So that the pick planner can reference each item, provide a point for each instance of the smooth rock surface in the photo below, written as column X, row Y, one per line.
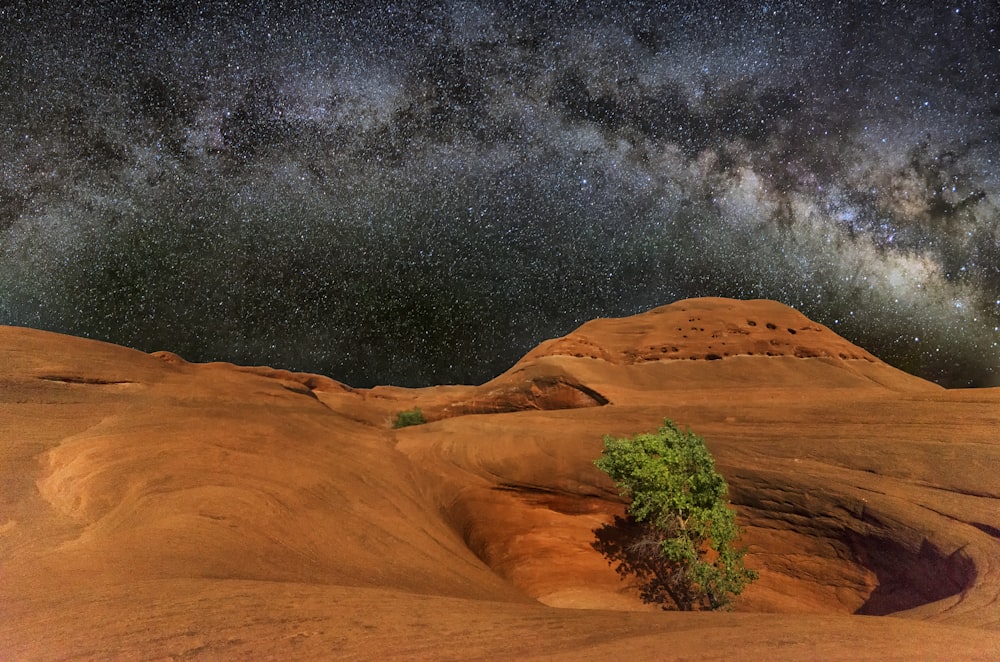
column 151, row 508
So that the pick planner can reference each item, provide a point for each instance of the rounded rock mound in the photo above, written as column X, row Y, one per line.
column 711, row 328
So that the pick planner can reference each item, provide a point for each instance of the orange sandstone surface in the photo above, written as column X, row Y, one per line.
column 152, row 508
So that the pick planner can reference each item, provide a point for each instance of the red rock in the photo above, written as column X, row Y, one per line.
column 151, row 507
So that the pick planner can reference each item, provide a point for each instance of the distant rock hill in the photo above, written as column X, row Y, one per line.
column 608, row 360
column 709, row 329
column 152, row 507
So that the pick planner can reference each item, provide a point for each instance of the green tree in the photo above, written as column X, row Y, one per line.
column 680, row 537
column 409, row 417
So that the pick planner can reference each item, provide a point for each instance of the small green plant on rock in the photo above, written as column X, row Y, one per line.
column 410, row 417
column 679, row 537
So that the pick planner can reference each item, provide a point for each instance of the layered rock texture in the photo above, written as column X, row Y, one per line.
column 152, row 508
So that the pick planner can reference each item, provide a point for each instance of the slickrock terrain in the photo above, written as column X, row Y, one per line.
column 151, row 508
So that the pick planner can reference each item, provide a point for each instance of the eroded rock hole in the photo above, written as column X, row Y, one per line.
column 883, row 568
column 909, row 578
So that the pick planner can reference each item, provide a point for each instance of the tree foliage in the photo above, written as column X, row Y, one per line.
column 409, row 417
column 680, row 536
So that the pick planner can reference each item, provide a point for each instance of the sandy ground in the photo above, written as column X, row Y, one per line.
column 154, row 509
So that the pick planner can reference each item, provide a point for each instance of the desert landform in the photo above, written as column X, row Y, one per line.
column 152, row 508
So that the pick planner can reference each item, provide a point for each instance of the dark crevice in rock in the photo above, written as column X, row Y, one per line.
column 590, row 393
column 987, row 529
column 300, row 390
column 76, row 379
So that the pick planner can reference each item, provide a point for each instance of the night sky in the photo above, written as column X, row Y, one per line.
column 418, row 193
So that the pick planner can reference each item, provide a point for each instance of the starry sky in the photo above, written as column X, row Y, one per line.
column 419, row 192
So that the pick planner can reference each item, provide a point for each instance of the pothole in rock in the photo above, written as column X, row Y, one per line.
column 909, row 578
column 820, row 541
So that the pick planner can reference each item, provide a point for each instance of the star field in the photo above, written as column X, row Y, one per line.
column 419, row 193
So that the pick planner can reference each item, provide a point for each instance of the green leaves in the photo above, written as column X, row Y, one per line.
column 680, row 500
column 409, row 417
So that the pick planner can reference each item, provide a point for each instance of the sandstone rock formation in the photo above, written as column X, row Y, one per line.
column 153, row 508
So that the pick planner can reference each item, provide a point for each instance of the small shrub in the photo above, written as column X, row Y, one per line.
column 679, row 538
column 410, row 417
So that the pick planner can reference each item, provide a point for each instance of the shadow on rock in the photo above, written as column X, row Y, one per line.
column 910, row 578
column 633, row 548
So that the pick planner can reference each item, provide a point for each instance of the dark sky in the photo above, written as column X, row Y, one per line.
column 419, row 193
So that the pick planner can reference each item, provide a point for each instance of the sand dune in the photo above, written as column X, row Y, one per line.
column 152, row 508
